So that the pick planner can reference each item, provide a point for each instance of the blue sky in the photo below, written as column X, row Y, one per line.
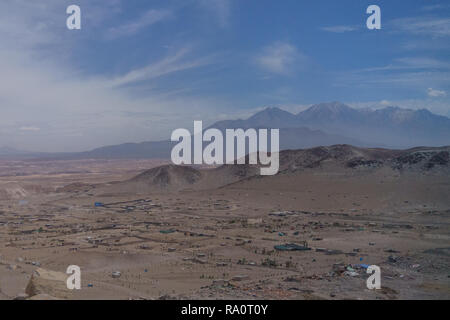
column 138, row 69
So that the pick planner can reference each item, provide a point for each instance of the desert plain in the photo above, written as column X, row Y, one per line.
column 146, row 229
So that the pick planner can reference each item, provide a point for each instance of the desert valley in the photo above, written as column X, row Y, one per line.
column 146, row 229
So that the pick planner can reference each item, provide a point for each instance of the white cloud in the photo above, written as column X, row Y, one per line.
column 436, row 93
column 281, row 58
column 339, row 29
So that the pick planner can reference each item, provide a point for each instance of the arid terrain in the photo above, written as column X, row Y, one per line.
column 145, row 229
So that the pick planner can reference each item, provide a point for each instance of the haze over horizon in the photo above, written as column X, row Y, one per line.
column 210, row 60
column 324, row 124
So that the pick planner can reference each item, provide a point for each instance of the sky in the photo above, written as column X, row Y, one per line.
column 139, row 69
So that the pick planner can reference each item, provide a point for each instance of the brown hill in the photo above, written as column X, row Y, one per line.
column 345, row 156
column 176, row 178
column 327, row 160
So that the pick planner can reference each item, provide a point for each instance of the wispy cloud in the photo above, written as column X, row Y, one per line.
column 410, row 64
column 436, row 106
column 424, row 62
column 426, row 26
column 147, row 19
column 48, row 104
column 412, row 80
column 281, row 58
column 436, row 93
column 30, row 128
column 408, row 74
column 170, row 64
column 339, row 29
column 434, row 7
column 78, row 113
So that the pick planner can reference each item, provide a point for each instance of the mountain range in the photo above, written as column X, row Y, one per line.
column 392, row 126
column 322, row 124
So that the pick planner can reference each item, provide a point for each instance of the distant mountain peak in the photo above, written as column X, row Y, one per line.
column 396, row 109
column 334, row 107
column 274, row 116
column 328, row 112
column 271, row 113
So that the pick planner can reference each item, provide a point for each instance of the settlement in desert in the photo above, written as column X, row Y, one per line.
column 147, row 229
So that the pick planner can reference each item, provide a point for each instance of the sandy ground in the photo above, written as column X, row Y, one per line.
column 219, row 243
